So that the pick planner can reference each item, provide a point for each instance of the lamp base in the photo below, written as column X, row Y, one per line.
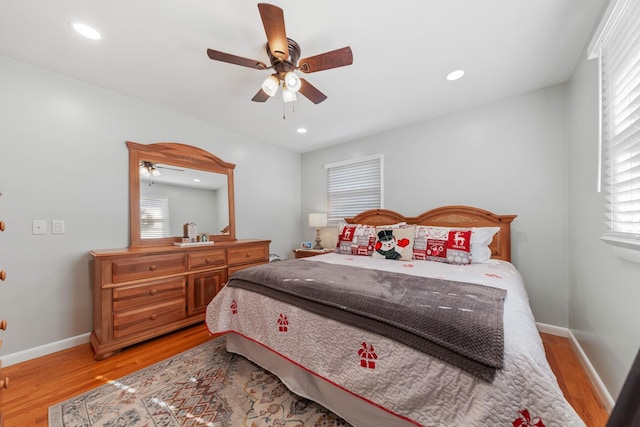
column 318, row 246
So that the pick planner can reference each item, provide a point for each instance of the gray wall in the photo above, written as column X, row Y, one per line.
column 604, row 290
column 63, row 156
column 509, row 157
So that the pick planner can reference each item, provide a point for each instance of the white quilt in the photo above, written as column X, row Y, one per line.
column 412, row 387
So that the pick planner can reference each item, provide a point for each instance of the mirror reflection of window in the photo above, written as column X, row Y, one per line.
column 154, row 218
column 196, row 196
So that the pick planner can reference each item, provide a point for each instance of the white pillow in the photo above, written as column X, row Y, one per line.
column 480, row 240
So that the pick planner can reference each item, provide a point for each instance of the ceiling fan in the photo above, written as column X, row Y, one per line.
column 284, row 55
column 148, row 169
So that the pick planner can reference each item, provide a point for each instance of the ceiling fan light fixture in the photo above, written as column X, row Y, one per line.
column 288, row 95
column 148, row 169
column 270, row 85
column 292, row 81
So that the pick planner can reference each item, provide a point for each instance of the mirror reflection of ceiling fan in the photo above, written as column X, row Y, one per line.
column 284, row 55
column 148, row 169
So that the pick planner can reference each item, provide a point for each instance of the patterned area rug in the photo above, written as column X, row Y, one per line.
column 204, row 386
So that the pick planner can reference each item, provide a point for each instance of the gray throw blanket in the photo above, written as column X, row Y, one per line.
column 458, row 323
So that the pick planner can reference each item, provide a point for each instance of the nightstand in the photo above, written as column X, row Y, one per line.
column 304, row 253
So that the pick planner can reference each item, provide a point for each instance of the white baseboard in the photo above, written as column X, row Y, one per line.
column 43, row 350
column 584, row 360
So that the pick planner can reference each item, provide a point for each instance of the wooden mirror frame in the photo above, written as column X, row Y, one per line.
column 171, row 153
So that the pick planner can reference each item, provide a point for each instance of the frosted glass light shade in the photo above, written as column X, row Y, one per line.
column 292, row 81
column 270, row 85
column 287, row 95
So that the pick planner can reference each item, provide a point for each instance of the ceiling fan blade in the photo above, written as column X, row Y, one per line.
column 325, row 61
column 310, row 91
column 261, row 96
column 237, row 60
column 273, row 22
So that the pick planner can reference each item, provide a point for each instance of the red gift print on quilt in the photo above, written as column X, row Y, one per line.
column 525, row 420
column 283, row 323
column 234, row 307
column 368, row 356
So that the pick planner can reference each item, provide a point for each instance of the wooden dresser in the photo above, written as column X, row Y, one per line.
column 140, row 293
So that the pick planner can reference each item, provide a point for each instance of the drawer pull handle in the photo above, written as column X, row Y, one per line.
column 1, row 225
column 4, row 383
column 248, row 254
column 3, row 325
column 153, row 291
column 214, row 261
column 3, row 275
column 152, row 267
column 153, row 316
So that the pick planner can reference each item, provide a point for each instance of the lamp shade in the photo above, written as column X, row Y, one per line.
column 287, row 95
column 270, row 85
column 292, row 81
column 317, row 220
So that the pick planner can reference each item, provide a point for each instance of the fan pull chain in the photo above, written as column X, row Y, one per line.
column 284, row 109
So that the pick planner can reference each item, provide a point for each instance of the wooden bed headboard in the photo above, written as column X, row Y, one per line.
column 449, row 216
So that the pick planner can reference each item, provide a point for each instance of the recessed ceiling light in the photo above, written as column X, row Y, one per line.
column 86, row 31
column 455, row 75
column 196, row 180
column 302, row 130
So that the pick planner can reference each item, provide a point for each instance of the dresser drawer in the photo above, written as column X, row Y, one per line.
column 149, row 318
column 207, row 259
column 130, row 297
column 248, row 254
column 126, row 269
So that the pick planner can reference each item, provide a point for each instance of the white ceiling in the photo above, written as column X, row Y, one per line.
column 155, row 50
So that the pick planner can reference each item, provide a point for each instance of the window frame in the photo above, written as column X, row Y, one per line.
column 624, row 240
column 334, row 217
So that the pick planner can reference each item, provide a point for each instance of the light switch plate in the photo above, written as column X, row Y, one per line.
column 57, row 226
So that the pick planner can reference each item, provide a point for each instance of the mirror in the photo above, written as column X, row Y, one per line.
column 164, row 194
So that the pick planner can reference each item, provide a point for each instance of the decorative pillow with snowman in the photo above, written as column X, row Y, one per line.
column 394, row 243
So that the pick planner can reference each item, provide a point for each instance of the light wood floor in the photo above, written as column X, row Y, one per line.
column 38, row 383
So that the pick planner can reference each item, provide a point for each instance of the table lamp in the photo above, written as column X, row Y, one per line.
column 318, row 220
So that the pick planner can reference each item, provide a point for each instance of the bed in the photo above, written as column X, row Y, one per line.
column 372, row 372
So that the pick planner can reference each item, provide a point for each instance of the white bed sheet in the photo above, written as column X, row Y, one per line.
column 318, row 358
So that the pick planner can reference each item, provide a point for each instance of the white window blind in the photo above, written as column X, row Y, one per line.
column 618, row 46
column 354, row 186
column 154, row 218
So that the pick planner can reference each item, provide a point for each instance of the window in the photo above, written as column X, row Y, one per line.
column 354, row 186
column 617, row 45
column 154, row 218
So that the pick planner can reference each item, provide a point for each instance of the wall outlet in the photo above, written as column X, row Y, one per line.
column 39, row 226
